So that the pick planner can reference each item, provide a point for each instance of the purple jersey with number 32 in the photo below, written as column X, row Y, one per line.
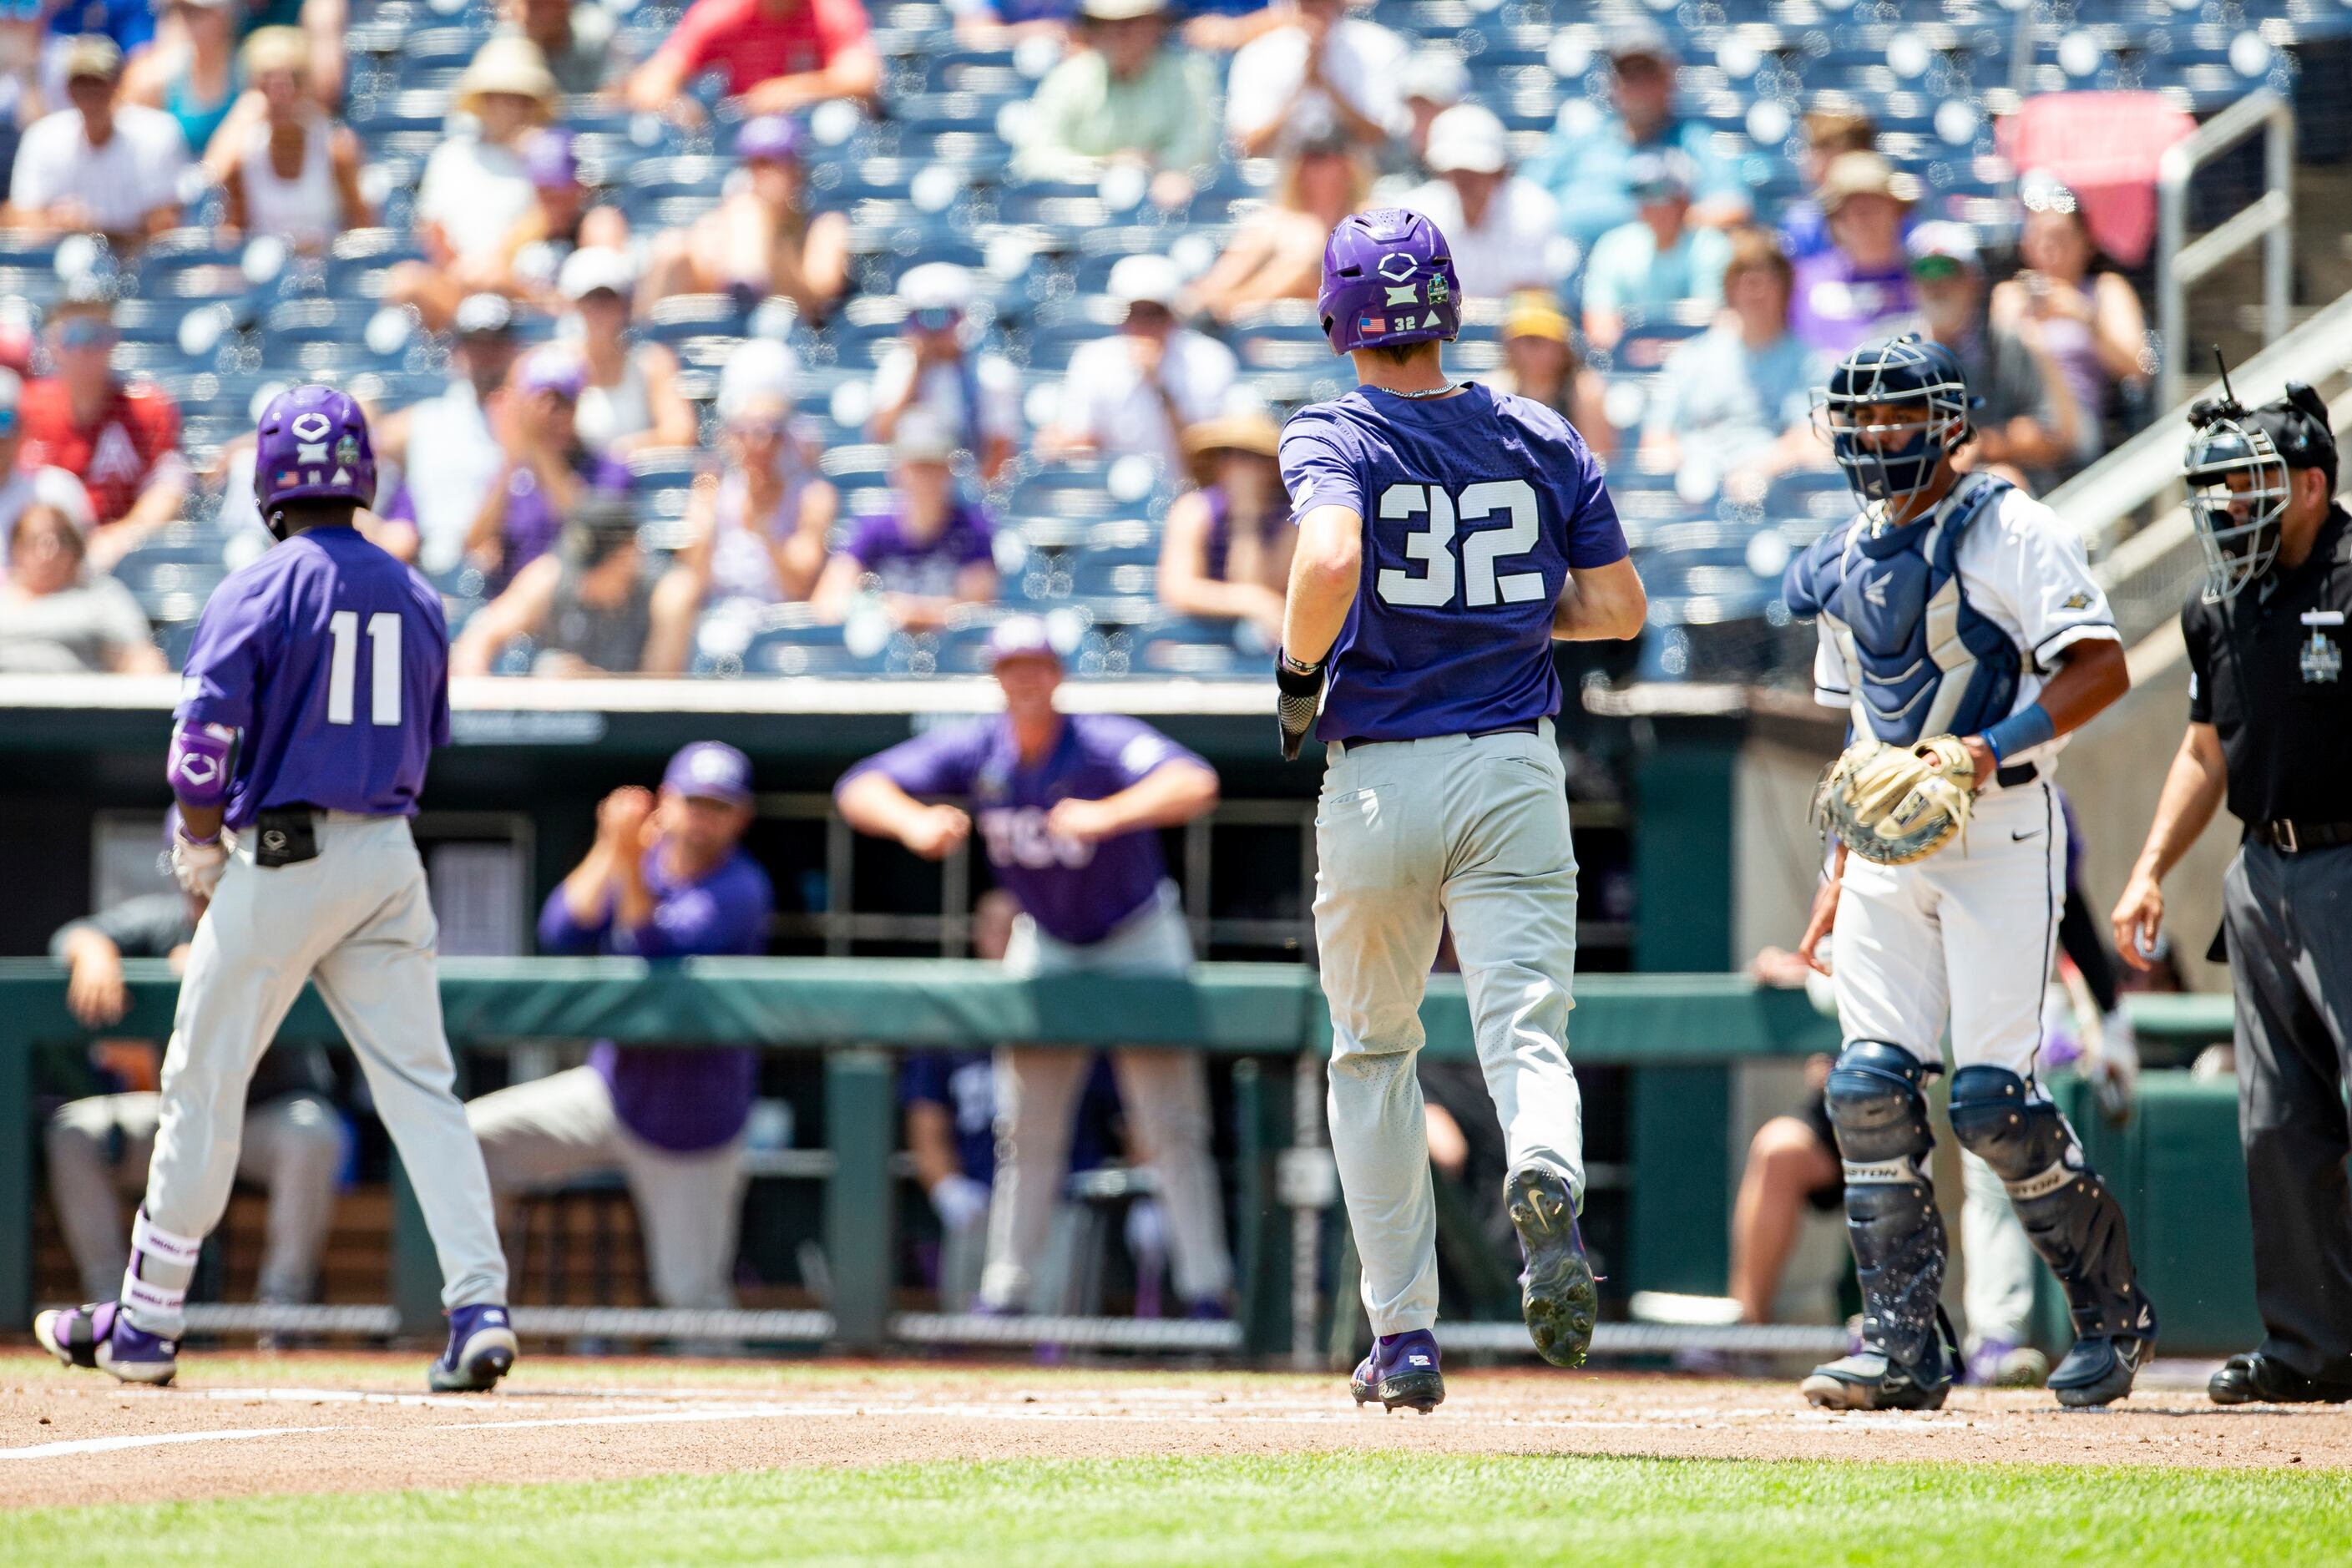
column 1474, row 507
column 333, row 659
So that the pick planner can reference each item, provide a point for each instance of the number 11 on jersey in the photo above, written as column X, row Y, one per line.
column 384, row 653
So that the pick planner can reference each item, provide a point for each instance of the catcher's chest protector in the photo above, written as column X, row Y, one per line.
column 1921, row 659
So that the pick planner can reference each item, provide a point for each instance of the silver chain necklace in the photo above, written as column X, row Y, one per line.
column 1417, row 396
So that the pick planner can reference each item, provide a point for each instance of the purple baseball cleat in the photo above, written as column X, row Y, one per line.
column 1401, row 1370
column 481, row 1351
column 100, row 1336
column 1558, row 1295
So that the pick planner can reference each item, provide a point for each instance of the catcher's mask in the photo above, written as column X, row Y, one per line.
column 1890, row 413
column 2240, row 471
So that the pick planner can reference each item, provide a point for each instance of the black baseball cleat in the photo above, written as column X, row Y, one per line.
column 1872, row 1379
column 1403, row 1370
column 1556, row 1293
column 2099, row 1370
column 2254, row 1378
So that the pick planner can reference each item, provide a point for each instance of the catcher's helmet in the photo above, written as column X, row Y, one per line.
column 1388, row 278
column 312, row 446
column 1888, row 460
column 2238, row 469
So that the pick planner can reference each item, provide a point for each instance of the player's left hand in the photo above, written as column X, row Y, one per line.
column 1082, row 821
column 1980, row 757
column 198, row 868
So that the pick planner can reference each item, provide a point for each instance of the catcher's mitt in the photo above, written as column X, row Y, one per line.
column 1895, row 805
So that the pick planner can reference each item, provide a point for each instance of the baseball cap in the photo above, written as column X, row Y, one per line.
column 1145, row 280
column 549, row 159
column 1641, row 38
column 1662, row 173
column 1255, row 432
column 1020, row 637
column 1533, row 315
column 758, row 368
column 1954, row 245
column 553, row 367
column 593, row 267
column 1859, row 174
column 484, row 315
column 1433, row 75
column 710, row 770
column 923, row 438
column 935, row 294
column 1119, row 10
column 1469, row 139
column 93, row 55
column 772, row 137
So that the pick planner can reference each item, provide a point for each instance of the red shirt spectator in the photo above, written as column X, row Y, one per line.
column 796, row 50
column 116, row 455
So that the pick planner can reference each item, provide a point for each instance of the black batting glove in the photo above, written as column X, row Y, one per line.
column 1302, row 695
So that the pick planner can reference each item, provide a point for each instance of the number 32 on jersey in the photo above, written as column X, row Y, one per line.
column 1479, row 579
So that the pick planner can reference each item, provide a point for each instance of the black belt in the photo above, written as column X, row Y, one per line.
column 2290, row 837
column 1524, row 727
column 2016, row 773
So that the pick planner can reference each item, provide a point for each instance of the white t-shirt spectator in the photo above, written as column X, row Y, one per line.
column 136, row 172
column 477, row 192
column 1105, row 399
column 85, row 627
column 1514, row 248
column 995, row 380
column 1361, row 61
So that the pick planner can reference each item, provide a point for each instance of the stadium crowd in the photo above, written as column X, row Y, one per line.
column 692, row 403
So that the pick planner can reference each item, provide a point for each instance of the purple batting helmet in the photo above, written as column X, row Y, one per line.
column 313, row 445
column 1388, row 278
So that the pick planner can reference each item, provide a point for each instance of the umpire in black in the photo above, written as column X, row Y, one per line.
column 2270, row 729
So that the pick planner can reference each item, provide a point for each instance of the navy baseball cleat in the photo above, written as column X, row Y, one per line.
column 100, row 1336
column 1401, row 1370
column 1872, row 1380
column 1556, row 1293
column 2099, row 1369
column 481, row 1351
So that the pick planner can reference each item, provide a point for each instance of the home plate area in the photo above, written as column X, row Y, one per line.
column 340, row 1423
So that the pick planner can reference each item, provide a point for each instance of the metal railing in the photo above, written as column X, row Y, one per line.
column 2181, row 262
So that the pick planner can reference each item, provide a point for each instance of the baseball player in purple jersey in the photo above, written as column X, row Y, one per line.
column 311, row 702
column 1447, row 534
column 1070, row 807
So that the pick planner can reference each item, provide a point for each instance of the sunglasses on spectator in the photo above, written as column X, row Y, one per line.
column 84, row 333
column 1936, row 268
column 935, row 318
column 756, row 429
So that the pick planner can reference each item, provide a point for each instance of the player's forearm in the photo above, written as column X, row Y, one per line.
column 2193, row 790
column 1325, row 576
column 1168, row 796
column 930, row 1144
column 632, row 901
column 1603, row 603
column 2094, row 674
column 586, row 893
column 873, row 803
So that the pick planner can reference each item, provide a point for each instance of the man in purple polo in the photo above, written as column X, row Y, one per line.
column 311, row 702
column 665, row 878
column 1070, row 807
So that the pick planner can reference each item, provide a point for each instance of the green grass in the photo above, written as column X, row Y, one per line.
column 1334, row 1509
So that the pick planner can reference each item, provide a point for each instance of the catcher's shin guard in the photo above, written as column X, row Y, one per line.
column 1884, row 1140
column 2068, row 1213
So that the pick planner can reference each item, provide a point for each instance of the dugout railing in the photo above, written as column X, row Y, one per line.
column 1269, row 1020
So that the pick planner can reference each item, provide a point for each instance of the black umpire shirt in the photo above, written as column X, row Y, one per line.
column 2267, row 672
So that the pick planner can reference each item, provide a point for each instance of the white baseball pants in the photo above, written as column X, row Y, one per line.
column 1412, row 836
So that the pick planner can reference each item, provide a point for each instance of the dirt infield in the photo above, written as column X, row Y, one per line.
column 342, row 1423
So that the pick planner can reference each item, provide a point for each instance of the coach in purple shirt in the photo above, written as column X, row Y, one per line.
column 1069, row 808
column 666, row 877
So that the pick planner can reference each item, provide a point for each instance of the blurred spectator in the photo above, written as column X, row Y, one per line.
column 1001, row 24
column 1220, row 26
column 322, row 23
column 629, row 397
column 757, row 530
column 1432, row 81
column 976, row 396
column 1225, row 552
column 575, row 39
column 1069, row 808
column 2027, row 423
column 449, row 455
column 1322, row 71
column 547, row 471
column 1647, row 268
column 98, row 165
column 21, row 487
column 778, row 56
column 930, row 551
column 1124, row 95
column 2089, row 318
column 1738, row 399
column 293, row 1144
column 1277, row 252
column 1828, row 134
column 1584, row 167
column 57, row 616
column 564, row 216
column 584, row 603
column 1859, row 287
column 297, row 173
column 762, row 240
column 1792, row 1166
column 1136, row 389
column 122, row 442
column 476, row 191
column 1540, row 362
column 666, row 877
column 191, row 73
column 1502, row 226
column 21, row 98
column 129, row 24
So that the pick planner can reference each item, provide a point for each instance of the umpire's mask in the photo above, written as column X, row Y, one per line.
column 2237, row 493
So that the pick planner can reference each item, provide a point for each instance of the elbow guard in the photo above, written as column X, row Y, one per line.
column 202, row 757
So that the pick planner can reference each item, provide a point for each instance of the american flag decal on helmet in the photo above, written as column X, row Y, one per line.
column 1371, row 324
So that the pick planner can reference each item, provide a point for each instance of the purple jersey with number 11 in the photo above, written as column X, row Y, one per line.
column 1475, row 506
column 333, row 659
